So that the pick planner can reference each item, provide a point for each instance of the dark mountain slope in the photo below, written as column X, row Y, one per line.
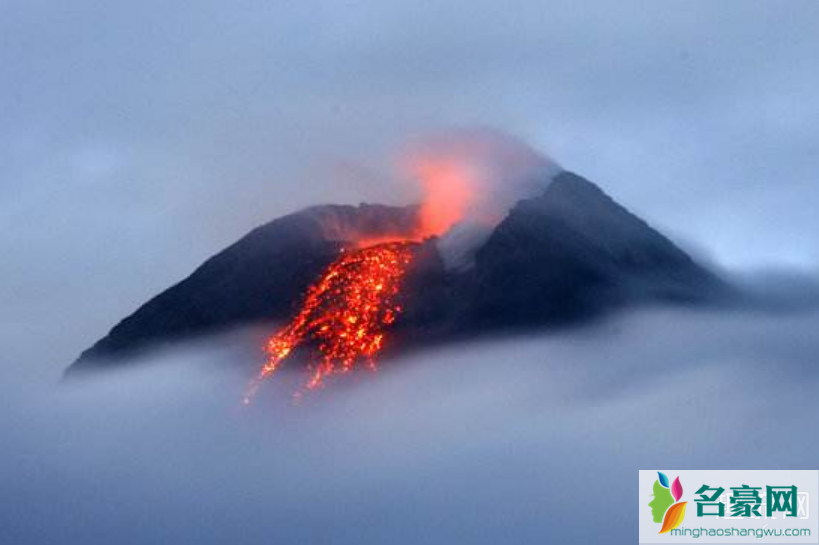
column 564, row 255
column 260, row 277
column 573, row 251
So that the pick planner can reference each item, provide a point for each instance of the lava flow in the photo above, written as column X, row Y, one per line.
column 344, row 315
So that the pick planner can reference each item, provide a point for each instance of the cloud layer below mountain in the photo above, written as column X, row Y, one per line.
column 513, row 440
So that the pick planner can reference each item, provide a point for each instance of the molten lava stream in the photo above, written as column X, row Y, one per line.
column 345, row 314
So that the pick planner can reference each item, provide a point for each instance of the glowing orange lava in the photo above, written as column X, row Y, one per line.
column 344, row 315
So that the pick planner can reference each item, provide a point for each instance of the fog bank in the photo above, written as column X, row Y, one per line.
column 505, row 441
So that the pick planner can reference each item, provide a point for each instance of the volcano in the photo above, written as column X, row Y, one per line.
column 561, row 257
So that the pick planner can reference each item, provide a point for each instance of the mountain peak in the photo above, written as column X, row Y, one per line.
column 569, row 252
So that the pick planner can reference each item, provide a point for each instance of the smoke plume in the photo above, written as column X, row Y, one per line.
column 470, row 179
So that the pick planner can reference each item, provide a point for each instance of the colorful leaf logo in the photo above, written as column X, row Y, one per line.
column 663, row 479
column 676, row 489
column 673, row 517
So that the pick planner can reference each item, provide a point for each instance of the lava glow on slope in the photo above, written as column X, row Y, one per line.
column 344, row 316
column 472, row 177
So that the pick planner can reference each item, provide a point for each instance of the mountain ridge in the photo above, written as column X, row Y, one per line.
column 568, row 253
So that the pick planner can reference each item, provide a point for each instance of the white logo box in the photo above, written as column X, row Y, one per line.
column 695, row 529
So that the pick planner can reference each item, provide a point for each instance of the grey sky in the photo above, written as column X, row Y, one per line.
column 139, row 138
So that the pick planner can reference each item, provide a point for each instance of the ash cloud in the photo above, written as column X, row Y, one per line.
column 481, row 443
column 470, row 180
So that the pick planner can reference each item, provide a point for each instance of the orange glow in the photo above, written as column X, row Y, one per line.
column 472, row 177
column 448, row 193
column 344, row 315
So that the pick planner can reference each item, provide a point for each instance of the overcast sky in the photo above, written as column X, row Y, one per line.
column 139, row 138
